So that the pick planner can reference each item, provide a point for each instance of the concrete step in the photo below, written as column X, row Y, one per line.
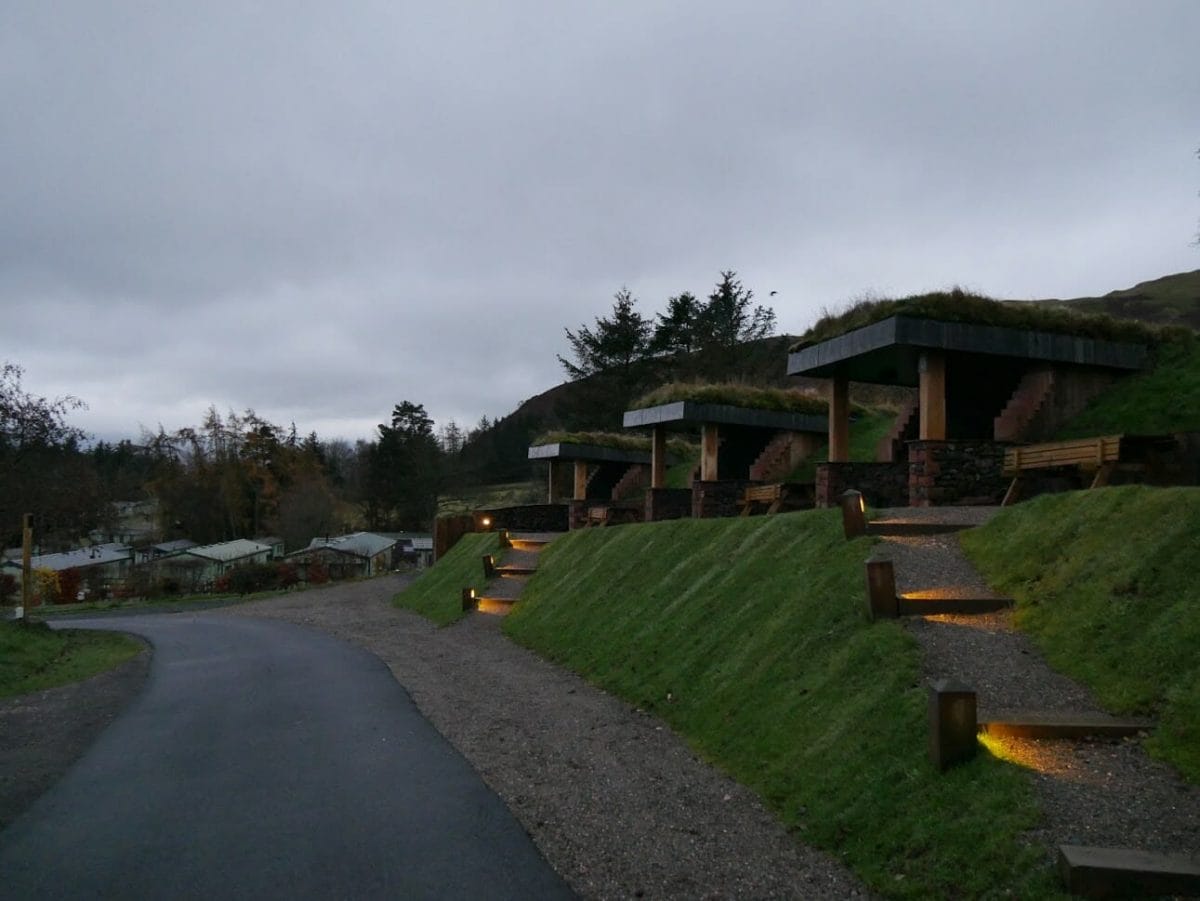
column 1028, row 724
column 909, row 606
column 1091, row 872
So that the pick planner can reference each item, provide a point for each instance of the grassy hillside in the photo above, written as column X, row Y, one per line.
column 437, row 592
column 1170, row 300
column 1106, row 582
column 747, row 636
column 1165, row 399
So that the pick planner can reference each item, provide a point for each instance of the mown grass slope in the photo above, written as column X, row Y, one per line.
column 1162, row 400
column 1108, row 584
column 747, row 636
column 33, row 656
column 437, row 592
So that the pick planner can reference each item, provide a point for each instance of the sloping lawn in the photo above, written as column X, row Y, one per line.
column 33, row 656
column 748, row 637
column 1108, row 584
column 437, row 592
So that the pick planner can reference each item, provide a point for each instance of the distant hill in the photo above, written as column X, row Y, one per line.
column 596, row 403
column 1170, row 300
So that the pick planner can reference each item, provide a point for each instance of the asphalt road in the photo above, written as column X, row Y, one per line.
column 264, row 760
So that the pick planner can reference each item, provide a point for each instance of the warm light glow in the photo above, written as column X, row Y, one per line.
column 862, row 504
column 941, row 593
column 486, row 522
column 494, row 606
column 1050, row 757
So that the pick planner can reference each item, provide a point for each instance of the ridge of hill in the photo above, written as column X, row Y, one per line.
column 597, row 402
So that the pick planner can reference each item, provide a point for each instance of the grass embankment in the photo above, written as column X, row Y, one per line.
column 1162, row 400
column 437, row 592
column 747, row 636
column 736, row 394
column 1106, row 583
column 33, row 656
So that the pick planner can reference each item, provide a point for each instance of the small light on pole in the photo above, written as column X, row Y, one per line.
column 468, row 599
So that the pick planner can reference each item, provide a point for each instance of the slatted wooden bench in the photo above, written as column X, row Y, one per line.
column 597, row 516
column 776, row 497
column 1091, row 455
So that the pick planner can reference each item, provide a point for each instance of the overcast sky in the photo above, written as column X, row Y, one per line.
column 318, row 210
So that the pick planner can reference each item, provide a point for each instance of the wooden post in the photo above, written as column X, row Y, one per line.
column 932, row 367
column 952, row 723
column 27, row 562
column 839, row 420
column 709, row 444
column 552, row 491
column 581, row 480
column 658, row 458
column 881, row 590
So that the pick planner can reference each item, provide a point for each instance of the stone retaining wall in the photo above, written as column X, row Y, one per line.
column 528, row 518
column 965, row 471
column 882, row 484
column 721, row 498
column 668, row 503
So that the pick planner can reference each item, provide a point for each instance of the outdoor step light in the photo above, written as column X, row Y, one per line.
column 489, row 566
column 468, row 599
column 882, row 602
column 504, row 537
column 854, row 514
column 953, row 724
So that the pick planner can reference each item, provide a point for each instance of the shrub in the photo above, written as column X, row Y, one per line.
column 286, row 574
column 317, row 573
column 8, row 588
column 253, row 577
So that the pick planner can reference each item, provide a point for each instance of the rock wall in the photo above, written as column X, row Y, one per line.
column 711, row 499
column 668, row 503
column 882, row 484
column 965, row 471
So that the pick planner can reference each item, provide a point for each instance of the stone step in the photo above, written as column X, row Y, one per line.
column 909, row 606
column 1027, row 724
column 1091, row 872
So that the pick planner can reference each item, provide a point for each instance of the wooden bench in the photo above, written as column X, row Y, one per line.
column 1091, row 455
column 776, row 497
column 597, row 516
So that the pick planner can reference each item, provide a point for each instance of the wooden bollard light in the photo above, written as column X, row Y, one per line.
column 854, row 514
column 881, row 590
column 953, row 724
column 504, row 538
column 489, row 566
column 468, row 599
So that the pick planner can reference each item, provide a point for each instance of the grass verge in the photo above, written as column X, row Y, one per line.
column 1105, row 582
column 33, row 656
column 747, row 637
column 437, row 592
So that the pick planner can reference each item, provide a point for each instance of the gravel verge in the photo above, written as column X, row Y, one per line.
column 616, row 802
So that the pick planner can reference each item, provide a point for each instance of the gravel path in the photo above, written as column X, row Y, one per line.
column 617, row 802
column 1091, row 792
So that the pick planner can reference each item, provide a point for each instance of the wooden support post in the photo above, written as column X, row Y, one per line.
column 932, row 369
column 658, row 458
column 581, row 480
column 552, row 489
column 953, row 724
column 839, row 420
column 709, row 445
column 27, row 562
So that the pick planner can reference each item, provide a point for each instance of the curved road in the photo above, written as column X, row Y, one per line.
column 266, row 760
